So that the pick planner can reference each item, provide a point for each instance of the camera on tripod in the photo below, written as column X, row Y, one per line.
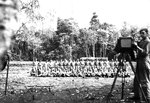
column 126, row 49
column 124, row 46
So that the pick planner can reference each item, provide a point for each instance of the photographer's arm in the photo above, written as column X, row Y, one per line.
column 146, row 51
column 140, row 49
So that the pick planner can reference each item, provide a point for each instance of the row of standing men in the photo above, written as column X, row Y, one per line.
column 78, row 69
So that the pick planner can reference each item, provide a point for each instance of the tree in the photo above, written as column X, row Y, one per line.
column 30, row 9
column 67, row 30
column 128, row 30
column 51, row 47
column 84, row 41
column 23, row 35
column 101, row 35
column 124, row 31
column 28, row 33
column 95, row 24
column 133, row 31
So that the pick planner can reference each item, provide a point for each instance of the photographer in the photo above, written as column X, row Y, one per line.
column 143, row 65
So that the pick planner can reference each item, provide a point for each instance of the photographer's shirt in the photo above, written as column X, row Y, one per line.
column 145, row 53
column 143, row 64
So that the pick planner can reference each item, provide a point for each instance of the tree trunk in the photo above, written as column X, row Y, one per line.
column 101, row 50
column 70, row 52
column 86, row 51
column 104, row 50
column 33, row 56
column 94, row 50
column 20, row 54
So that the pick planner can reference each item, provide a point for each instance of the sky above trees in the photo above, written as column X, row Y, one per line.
column 134, row 12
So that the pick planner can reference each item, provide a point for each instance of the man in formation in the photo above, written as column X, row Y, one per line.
column 78, row 68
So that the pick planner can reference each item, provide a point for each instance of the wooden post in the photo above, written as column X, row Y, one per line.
column 8, row 60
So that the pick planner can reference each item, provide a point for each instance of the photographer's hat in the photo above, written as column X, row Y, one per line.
column 143, row 30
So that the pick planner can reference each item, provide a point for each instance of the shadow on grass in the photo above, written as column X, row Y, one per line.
column 73, row 95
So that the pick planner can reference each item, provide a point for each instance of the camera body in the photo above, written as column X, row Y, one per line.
column 124, row 46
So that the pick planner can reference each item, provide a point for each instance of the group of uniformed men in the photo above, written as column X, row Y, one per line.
column 78, row 69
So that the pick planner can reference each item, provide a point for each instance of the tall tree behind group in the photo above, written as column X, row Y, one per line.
column 68, row 31
column 101, row 34
column 28, row 38
column 95, row 25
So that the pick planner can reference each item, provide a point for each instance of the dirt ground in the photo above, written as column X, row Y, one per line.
column 22, row 88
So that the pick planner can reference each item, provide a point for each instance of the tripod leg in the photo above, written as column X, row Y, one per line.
column 113, row 85
column 137, row 79
column 123, row 84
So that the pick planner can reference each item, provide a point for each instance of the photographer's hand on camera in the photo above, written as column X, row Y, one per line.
column 135, row 46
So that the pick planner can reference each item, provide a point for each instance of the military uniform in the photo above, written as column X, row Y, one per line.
column 44, row 72
column 143, row 68
column 39, row 69
column 33, row 70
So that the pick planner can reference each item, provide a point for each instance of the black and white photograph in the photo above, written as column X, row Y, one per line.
column 74, row 51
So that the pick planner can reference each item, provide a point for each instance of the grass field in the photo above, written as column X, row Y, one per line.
column 22, row 88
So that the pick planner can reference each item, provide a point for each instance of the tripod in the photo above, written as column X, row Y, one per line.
column 121, row 67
